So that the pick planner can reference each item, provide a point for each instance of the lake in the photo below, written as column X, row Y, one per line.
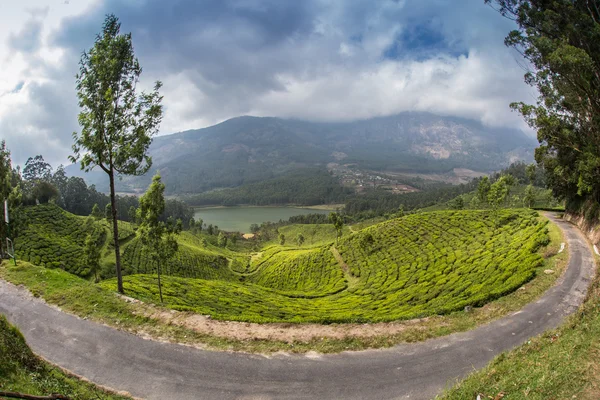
column 240, row 218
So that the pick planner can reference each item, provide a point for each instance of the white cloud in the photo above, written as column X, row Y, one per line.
column 328, row 65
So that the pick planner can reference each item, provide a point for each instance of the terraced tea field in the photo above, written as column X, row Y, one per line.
column 422, row 264
column 54, row 238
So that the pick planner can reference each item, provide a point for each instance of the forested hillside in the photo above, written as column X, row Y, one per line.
column 247, row 150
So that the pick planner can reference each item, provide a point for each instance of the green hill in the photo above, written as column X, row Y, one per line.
column 55, row 238
column 422, row 264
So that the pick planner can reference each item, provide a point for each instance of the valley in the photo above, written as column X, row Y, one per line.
column 300, row 200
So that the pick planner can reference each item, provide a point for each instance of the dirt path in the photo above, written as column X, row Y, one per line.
column 155, row 370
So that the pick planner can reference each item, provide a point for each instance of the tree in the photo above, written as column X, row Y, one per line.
column 483, row 188
column 44, row 191
column 281, row 239
column 5, row 190
column 76, row 196
column 531, row 172
column 457, row 203
column 401, row 211
column 131, row 214
column 156, row 236
column 529, row 198
column 117, row 124
column 338, row 223
column 199, row 224
column 496, row 196
column 254, row 228
column 222, row 240
column 96, row 213
column 59, row 180
column 36, row 169
column 561, row 41
column 210, row 230
column 92, row 256
column 108, row 213
column 300, row 239
column 366, row 241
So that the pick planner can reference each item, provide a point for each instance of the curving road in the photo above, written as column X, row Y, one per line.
column 155, row 370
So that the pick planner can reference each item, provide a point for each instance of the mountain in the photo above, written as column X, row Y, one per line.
column 251, row 149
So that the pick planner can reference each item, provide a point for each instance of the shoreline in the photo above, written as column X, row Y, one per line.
column 322, row 207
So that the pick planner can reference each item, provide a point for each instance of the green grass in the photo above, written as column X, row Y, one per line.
column 558, row 364
column 21, row 371
column 419, row 265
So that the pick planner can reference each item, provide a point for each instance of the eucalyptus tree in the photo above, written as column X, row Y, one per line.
column 560, row 40
column 117, row 123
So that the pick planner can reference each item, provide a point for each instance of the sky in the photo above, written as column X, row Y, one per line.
column 319, row 60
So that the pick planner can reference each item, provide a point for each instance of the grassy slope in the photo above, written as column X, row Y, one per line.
column 21, row 371
column 558, row 364
column 399, row 277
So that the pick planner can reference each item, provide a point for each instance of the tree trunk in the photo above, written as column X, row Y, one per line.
column 159, row 285
column 113, row 205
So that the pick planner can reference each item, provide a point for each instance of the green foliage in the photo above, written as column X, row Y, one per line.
column 44, row 192
column 457, row 204
column 529, row 198
column 56, row 239
column 301, row 273
column 307, row 186
column 222, row 240
column 96, row 213
column 92, row 256
column 483, row 189
column 338, row 223
column 300, row 239
column 418, row 265
column 156, row 236
column 191, row 260
column 117, row 123
column 561, row 41
column 281, row 239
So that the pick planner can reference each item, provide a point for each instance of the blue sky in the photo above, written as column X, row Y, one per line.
column 314, row 59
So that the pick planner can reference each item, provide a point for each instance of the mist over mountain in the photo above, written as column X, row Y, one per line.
column 247, row 149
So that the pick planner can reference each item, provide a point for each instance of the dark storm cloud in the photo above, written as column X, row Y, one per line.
column 225, row 40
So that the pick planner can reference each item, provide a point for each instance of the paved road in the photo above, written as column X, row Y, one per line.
column 155, row 370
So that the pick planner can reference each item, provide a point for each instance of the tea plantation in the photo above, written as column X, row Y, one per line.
column 54, row 238
column 418, row 265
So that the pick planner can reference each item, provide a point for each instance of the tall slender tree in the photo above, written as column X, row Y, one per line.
column 117, row 124
column 156, row 236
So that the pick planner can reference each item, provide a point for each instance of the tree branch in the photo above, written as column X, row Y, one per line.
column 15, row 395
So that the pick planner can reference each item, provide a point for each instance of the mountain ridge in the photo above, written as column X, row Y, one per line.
column 249, row 149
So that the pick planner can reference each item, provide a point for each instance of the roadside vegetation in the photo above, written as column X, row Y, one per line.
column 23, row 372
column 559, row 364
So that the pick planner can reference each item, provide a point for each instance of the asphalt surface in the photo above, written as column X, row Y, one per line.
column 154, row 370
